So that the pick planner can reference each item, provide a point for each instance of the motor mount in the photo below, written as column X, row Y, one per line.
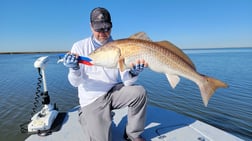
column 43, row 120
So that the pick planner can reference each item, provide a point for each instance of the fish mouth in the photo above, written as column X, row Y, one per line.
column 92, row 62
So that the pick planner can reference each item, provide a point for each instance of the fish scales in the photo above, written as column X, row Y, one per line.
column 163, row 57
column 151, row 52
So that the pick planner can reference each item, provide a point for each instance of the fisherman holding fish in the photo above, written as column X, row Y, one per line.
column 101, row 89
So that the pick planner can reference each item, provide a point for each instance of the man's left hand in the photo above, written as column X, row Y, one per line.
column 137, row 67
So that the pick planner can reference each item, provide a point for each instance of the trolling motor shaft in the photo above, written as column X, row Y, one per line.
column 43, row 120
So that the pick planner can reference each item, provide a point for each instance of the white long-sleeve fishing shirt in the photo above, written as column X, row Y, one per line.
column 94, row 81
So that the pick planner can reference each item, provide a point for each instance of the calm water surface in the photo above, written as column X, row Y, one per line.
column 229, row 109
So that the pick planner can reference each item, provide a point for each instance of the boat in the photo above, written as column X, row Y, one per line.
column 161, row 124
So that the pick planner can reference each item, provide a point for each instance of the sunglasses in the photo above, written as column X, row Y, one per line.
column 102, row 29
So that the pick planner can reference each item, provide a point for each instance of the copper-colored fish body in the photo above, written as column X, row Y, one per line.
column 162, row 57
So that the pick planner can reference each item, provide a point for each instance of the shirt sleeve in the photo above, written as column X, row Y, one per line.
column 75, row 76
column 127, row 79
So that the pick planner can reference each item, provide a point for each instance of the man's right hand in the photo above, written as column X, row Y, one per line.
column 71, row 61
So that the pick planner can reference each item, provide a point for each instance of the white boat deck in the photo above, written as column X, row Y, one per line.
column 161, row 125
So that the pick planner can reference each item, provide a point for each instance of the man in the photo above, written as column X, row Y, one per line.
column 100, row 90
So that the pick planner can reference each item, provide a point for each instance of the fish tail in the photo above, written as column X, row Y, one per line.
column 208, row 87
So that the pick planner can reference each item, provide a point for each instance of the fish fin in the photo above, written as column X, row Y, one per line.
column 121, row 65
column 177, row 51
column 140, row 35
column 173, row 80
column 208, row 87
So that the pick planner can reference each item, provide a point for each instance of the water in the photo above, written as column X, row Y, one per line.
column 229, row 109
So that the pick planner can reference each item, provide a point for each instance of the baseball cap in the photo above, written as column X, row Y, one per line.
column 100, row 19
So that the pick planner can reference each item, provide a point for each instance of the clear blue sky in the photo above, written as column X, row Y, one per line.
column 54, row 25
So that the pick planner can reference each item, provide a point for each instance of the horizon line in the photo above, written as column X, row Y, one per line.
column 38, row 52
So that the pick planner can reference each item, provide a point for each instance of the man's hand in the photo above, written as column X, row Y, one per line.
column 71, row 61
column 137, row 68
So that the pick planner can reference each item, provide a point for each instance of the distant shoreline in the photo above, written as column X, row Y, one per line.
column 33, row 52
column 186, row 49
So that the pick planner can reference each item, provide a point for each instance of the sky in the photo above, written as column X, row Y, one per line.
column 54, row 25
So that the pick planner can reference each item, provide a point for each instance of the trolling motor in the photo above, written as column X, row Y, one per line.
column 43, row 120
